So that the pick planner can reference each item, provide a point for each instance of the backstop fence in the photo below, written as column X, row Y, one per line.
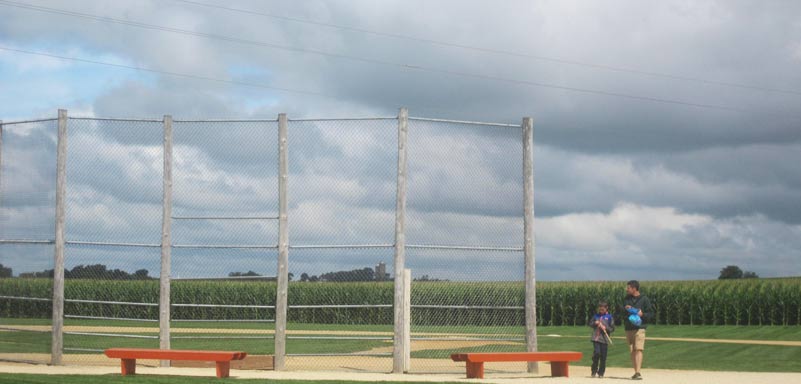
column 379, row 244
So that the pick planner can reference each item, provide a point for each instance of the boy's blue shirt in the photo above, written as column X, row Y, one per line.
column 607, row 317
column 608, row 321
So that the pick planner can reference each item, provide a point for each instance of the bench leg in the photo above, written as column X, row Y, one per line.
column 559, row 369
column 475, row 370
column 223, row 368
column 128, row 366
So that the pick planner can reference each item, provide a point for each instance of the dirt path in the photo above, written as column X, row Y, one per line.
column 423, row 345
column 494, row 373
column 129, row 330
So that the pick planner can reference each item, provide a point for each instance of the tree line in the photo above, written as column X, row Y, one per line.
column 94, row 271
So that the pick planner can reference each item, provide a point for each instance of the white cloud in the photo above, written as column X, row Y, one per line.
column 672, row 189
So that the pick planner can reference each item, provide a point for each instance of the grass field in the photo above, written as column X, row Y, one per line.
column 790, row 333
column 667, row 354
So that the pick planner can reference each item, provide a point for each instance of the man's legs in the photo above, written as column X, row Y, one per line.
column 636, row 341
column 636, row 352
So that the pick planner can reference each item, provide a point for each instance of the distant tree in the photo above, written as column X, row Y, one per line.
column 94, row 271
column 364, row 274
column 427, row 278
column 304, row 277
column 750, row 275
column 243, row 274
column 45, row 273
column 141, row 274
column 731, row 272
column 5, row 271
column 290, row 276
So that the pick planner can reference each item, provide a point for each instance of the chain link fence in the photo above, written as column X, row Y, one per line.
column 465, row 204
column 112, row 222
column 27, row 201
column 461, row 224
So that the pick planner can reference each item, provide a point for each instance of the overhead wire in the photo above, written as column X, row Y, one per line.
column 201, row 77
column 368, row 60
column 496, row 51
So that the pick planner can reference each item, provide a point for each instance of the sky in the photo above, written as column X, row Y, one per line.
column 667, row 134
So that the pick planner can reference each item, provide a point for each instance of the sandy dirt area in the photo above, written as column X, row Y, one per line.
column 578, row 374
column 96, row 329
column 362, row 368
column 424, row 345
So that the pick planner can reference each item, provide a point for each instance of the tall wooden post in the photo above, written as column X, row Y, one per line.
column 407, row 319
column 401, row 348
column 1, row 151
column 166, row 242
column 528, row 236
column 283, row 248
column 1, row 156
column 57, row 345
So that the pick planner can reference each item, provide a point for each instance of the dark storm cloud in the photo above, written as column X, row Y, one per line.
column 722, row 170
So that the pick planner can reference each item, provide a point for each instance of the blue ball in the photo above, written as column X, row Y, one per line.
column 636, row 320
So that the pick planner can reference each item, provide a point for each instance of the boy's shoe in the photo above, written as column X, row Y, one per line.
column 637, row 376
column 593, row 375
column 600, row 376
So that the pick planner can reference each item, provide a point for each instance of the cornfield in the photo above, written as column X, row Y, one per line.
column 717, row 302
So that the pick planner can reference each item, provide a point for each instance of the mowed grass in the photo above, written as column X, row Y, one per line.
column 663, row 354
column 768, row 332
column 39, row 342
column 153, row 379
column 659, row 353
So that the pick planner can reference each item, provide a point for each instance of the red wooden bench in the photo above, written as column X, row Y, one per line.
column 474, row 362
column 129, row 356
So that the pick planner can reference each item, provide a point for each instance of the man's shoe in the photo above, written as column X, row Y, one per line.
column 600, row 376
column 593, row 375
column 637, row 376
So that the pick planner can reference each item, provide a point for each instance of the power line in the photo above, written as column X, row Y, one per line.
column 498, row 51
column 164, row 72
column 368, row 60
column 200, row 77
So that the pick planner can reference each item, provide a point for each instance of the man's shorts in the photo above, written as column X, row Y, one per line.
column 636, row 339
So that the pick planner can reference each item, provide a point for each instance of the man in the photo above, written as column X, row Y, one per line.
column 636, row 303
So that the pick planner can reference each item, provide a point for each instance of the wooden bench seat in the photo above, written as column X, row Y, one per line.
column 474, row 362
column 129, row 356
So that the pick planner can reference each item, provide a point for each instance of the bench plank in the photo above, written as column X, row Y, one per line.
column 474, row 362
column 128, row 357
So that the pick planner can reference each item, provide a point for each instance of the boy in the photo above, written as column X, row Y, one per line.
column 602, row 325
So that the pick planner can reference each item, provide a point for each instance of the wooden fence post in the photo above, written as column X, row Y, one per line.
column 528, row 236
column 401, row 348
column 283, row 248
column 57, row 344
column 166, row 242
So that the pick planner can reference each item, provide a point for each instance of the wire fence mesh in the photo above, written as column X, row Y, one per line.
column 342, row 191
column 27, row 185
column 463, row 237
column 113, row 221
column 225, row 234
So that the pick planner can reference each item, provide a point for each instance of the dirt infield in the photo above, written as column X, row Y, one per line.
column 578, row 374
column 80, row 328
column 364, row 368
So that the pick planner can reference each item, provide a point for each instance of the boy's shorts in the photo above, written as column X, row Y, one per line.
column 636, row 339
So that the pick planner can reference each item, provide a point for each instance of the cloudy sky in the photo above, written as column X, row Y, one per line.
column 667, row 134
